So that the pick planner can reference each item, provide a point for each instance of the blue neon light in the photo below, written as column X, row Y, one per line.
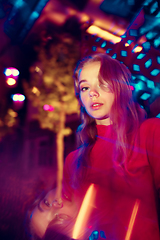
column 155, row 72
column 124, row 53
column 145, row 96
column 103, row 44
column 148, row 63
column 150, row 84
column 141, row 55
column 136, row 67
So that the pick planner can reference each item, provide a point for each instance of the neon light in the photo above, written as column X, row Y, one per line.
column 136, row 67
column 141, row 55
column 158, row 59
column 7, row 72
column 132, row 219
column 49, row 108
column 146, row 45
column 98, row 39
column 129, row 41
column 137, row 49
column 148, row 63
column 103, row 34
column 157, row 42
column 158, row 116
column 155, row 72
column 150, row 84
column 124, row 53
column 94, row 48
column 108, row 50
column 133, row 32
column 114, row 55
column 18, row 97
column 84, row 211
column 11, row 81
column 145, row 96
column 103, row 44
column 11, row 72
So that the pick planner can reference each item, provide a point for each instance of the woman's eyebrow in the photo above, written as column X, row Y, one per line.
column 39, row 207
column 81, row 81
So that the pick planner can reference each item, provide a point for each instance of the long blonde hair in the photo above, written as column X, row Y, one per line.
column 126, row 115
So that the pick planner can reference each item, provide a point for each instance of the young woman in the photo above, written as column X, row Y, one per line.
column 119, row 153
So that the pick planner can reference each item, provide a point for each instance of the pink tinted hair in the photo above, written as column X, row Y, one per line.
column 126, row 115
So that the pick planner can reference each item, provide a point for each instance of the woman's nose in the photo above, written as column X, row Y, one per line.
column 93, row 93
column 57, row 204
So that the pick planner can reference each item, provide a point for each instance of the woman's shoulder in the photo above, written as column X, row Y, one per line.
column 71, row 156
column 150, row 125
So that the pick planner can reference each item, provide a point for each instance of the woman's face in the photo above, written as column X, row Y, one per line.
column 96, row 98
column 48, row 212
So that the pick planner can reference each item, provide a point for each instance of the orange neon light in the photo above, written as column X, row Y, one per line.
column 103, row 34
column 137, row 49
column 84, row 212
column 132, row 219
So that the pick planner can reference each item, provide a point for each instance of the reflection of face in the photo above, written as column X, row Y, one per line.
column 48, row 212
column 96, row 98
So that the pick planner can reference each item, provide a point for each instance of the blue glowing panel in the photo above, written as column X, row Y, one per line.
column 157, row 42
column 150, row 84
column 141, row 55
column 98, row 39
column 158, row 116
column 151, row 35
column 129, row 41
column 103, row 44
column 155, row 72
column 139, row 86
column 154, row 7
column 124, row 53
column 123, row 36
column 145, row 96
column 108, row 50
column 34, row 15
column 158, row 59
column 114, row 55
column 146, row 46
column 133, row 32
column 136, row 67
column 142, row 77
column 94, row 48
column 148, row 63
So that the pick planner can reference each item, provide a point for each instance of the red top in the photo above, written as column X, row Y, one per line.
column 126, row 206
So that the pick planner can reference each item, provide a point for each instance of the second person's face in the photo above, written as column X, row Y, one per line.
column 96, row 98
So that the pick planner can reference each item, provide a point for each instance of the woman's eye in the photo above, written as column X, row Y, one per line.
column 84, row 89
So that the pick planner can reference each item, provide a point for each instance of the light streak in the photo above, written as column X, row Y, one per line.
column 84, row 212
column 103, row 34
column 132, row 219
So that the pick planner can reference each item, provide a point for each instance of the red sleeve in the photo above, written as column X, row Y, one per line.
column 152, row 128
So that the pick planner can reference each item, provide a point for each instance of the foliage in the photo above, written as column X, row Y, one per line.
column 51, row 80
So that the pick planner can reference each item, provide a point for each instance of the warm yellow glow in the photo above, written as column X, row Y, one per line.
column 11, row 81
column 12, row 113
column 36, row 91
column 132, row 219
column 84, row 212
column 126, row 44
column 84, row 17
column 110, row 26
column 137, row 49
column 103, row 34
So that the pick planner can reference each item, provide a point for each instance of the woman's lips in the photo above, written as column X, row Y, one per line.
column 96, row 106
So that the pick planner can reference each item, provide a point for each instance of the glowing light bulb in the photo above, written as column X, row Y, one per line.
column 11, row 81
column 18, row 97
